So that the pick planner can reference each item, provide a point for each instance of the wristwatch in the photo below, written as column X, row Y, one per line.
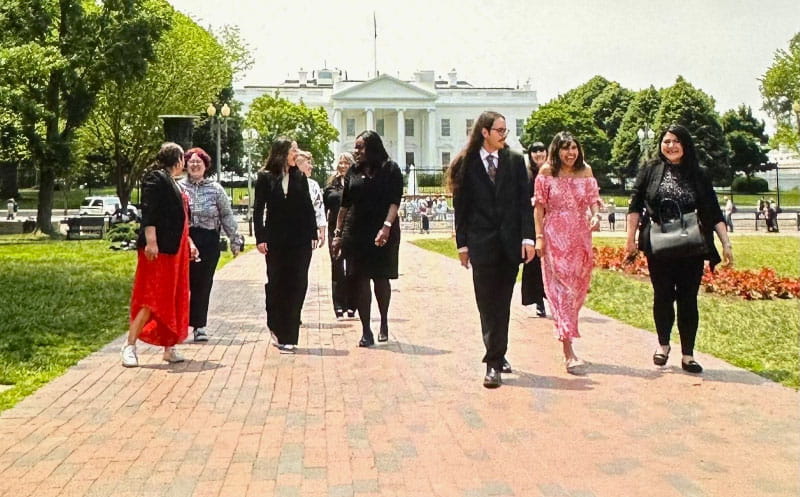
column 387, row 224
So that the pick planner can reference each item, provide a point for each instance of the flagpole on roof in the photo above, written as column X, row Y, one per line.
column 374, row 44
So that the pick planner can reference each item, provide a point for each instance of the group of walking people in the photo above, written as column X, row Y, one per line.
column 505, row 214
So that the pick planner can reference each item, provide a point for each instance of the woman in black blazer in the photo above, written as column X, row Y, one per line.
column 160, row 297
column 286, row 233
column 676, row 175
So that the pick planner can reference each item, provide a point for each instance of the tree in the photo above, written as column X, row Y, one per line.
column 780, row 88
column 555, row 116
column 55, row 56
column 746, row 137
column 627, row 152
column 190, row 69
column 13, row 151
column 684, row 104
column 272, row 116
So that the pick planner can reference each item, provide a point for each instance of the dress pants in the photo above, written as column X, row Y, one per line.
column 201, row 274
column 494, row 286
column 340, row 289
column 676, row 281
column 287, row 282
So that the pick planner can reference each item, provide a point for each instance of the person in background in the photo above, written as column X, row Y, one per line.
column 611, row 208
column 532, row 286
column 160, row 298
column 771, row 215
column 565, row 192
column 368, row 230
column 675, row 174
column 730, row 208
column 494, row 230
column 304, row 163
column 286, row 233
column 211, row 212
column 12, row 209
column 332, row 198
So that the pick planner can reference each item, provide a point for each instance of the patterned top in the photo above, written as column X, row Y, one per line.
column 675, row 186
column 210, row 207
column 315, row 192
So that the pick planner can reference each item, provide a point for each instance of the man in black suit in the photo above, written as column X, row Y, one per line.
column 494, row 229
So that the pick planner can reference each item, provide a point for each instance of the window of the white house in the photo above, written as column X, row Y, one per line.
column 351, row 127
column 445, row 127
column 409, row 127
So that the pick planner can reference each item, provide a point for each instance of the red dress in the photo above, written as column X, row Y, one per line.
column 163, row 286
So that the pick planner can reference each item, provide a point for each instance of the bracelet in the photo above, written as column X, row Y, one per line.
column 539, row 236
column 387, row 224
column 337, row 232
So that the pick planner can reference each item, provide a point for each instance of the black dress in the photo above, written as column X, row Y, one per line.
column 368, row 200
column 532, row 286
column 332, row 198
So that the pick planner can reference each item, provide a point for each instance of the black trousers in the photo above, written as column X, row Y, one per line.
column 340, row 288
column 676, row 281
column 494, row 286
column 287, row 282
column 201, row 274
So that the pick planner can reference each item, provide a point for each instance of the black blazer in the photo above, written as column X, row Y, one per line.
column 493, row 219
column 162, row 207
column 645, row 201
column 283, row 220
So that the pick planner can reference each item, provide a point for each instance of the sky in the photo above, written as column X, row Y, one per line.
column 721, row 46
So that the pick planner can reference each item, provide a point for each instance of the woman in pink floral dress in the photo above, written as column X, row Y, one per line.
column 565, row 193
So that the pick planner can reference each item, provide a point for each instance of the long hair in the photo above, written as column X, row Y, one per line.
column 278, row 155
column 350, row 160
column 533, row 169
column 561, row 140
column 689, row 159
column 374, row 152
column 203, row 157
column 455, row 176
column 168, row 156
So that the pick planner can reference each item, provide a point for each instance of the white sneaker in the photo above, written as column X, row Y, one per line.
column 287, row 348
column 200, row 335
column 172, row 355
column 129, row 359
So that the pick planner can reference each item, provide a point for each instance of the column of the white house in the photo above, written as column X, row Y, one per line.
column 337, row 123
column 401, row 139
column 371, row 119
column 433, row 161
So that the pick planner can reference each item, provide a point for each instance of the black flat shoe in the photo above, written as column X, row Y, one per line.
column 492, row 378
column 540, row 311
column 660, row 358
column 366, row 341
column 339, row 313
column 506, row 367
column 692, row 367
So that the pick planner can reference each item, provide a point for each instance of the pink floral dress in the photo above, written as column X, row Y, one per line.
column 567, row 261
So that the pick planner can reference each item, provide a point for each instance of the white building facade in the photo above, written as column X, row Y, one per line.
column 423, row 122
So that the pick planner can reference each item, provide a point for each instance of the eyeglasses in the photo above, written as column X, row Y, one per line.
column 501, row 131
column 534, row 150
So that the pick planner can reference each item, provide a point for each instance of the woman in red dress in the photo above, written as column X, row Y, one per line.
column 160, row 298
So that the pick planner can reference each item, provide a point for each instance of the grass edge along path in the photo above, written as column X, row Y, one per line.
column 61, row 302
column 760, row 336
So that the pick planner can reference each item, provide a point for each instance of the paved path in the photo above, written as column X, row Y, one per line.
column 408, row 418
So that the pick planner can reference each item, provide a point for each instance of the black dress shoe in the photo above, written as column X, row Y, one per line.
column 367, row 340
column 383, row 335
column 492, row 378
column 506, row 368
column 351, row 313
column 540, row 310
column 660, row 358
column 339, row 313
column 691, row 367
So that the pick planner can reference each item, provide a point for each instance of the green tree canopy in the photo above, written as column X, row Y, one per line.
column 780, row 88
column 627, row 152
column 746, row 137
column 190, row 69
column 55, row 56
column 272, row 116
column 684, row 104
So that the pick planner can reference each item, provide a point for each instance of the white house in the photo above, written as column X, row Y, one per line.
column 423, row 122
column 787, row 174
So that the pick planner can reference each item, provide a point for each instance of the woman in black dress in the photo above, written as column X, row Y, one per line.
column 367, row 229
column 532, row 286
column 286, row 233
column 332, row 198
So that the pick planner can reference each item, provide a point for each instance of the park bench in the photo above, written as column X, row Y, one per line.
column 85, row 227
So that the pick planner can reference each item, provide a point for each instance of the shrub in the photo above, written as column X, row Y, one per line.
column 123, row 232
column 743, row 184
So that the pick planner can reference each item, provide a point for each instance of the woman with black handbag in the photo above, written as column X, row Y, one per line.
column 674, row 186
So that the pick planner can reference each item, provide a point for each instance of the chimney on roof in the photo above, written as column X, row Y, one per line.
column 303, row 77
column 452, row 76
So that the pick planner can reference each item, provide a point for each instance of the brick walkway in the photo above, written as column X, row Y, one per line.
column 408, row 418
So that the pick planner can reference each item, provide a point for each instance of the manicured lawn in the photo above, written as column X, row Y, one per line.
column 61, row 301
column 761, row 336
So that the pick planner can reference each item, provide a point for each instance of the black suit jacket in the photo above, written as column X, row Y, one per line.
column 492, row 219
column 162, row 207
column 283, row 220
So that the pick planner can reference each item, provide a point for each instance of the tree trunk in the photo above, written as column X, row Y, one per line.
column 47, row 181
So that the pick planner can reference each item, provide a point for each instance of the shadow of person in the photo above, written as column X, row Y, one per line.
column 409, row 348
column 321, row 351
column 529, row 380
column 187, row 366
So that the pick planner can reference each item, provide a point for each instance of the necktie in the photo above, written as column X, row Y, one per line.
column 492, row 169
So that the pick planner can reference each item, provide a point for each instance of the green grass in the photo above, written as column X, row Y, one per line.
column 761, row 336
column 61, row 301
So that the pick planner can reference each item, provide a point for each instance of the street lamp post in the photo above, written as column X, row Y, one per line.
column 224, row 111
column 250, row 136
column 645, row 135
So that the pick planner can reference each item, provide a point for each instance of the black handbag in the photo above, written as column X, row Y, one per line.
column 682, row 237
